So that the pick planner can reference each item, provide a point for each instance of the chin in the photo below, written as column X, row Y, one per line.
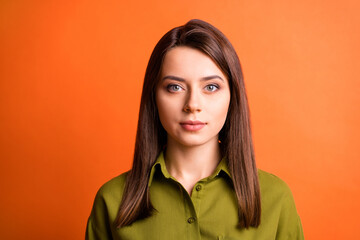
column 193, row 142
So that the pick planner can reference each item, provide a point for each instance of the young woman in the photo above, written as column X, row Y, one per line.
column 194, row 174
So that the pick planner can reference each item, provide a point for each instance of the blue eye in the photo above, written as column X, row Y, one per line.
column 211, row 88
column 173, row 88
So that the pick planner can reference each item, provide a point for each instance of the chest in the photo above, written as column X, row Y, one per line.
column 210, row 213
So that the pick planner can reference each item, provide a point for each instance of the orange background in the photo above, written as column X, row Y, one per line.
column 70, row 82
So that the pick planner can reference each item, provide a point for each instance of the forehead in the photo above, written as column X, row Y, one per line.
column 189, row 63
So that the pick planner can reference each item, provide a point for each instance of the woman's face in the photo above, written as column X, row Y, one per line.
column 192, row 97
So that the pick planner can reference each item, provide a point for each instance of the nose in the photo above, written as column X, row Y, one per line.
column 192, row 103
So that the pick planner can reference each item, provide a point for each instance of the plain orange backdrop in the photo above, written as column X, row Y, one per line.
column 71, row 74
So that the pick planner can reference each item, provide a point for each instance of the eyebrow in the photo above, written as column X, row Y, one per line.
column 207, row 78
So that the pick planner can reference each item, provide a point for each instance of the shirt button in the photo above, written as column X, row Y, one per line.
column 198, row 187
column 191, row 220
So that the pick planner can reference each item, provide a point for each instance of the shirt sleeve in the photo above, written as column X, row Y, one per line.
column 289, row 227
column 98, row 225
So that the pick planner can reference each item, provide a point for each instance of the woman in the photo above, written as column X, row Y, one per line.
column 194, row 174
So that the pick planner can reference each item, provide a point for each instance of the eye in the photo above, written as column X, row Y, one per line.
column 173, row 88
column 211, row 88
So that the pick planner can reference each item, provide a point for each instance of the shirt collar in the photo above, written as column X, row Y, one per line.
column 159, row 165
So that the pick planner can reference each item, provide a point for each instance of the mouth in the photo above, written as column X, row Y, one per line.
column 192, row 125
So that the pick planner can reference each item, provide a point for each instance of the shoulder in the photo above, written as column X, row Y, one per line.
column 105, row 208
column 108, row 198
column 276, row 196
column 270, row 178
column 278, row 207
column 270, row 182
column 112, row 190
column 275, row 192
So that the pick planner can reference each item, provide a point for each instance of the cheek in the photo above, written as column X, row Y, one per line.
column 165, row 110
column 221, row 107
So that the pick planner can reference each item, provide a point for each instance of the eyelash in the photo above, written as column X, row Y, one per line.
column 212, row 85
column 171, row 87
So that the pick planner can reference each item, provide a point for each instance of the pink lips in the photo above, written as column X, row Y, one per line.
column 192, row 125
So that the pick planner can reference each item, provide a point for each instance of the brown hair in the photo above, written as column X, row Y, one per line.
column 236, row 140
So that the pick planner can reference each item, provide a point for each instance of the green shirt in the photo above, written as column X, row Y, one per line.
column 209, row 213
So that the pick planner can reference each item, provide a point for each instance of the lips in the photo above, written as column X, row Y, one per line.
column 192, row 125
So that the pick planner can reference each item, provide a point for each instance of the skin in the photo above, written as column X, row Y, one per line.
column 192, row 88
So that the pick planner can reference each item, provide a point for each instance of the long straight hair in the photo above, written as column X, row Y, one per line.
column 235, row 136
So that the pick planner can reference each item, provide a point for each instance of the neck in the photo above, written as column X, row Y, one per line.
column 191, row 164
